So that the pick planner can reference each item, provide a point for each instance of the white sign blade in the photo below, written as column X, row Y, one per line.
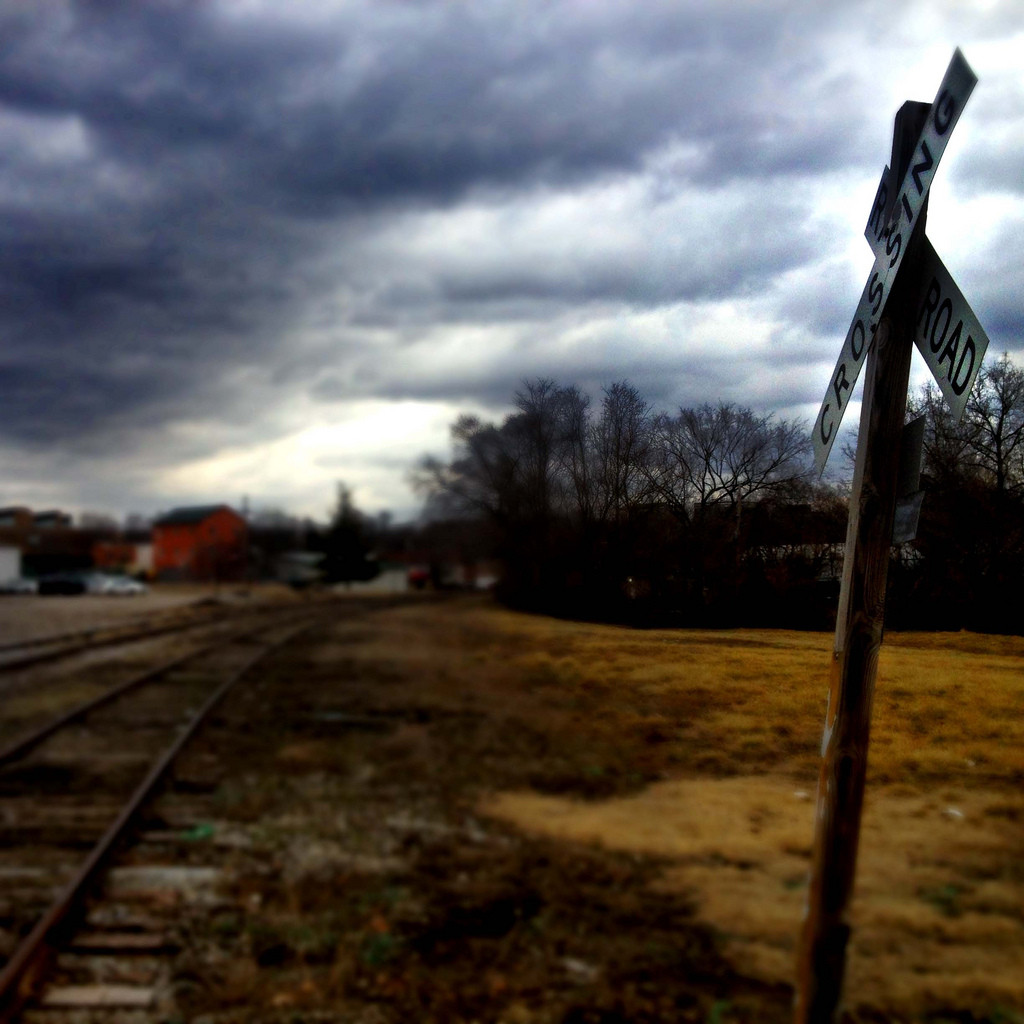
column 957, row 85
column 947, row 332
column 874, row 230
column 844, row 376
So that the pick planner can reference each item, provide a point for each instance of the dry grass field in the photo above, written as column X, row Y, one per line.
column 700, row 749
column 445, row 812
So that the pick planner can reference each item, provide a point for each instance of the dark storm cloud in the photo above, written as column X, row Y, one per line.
column 181, row 165
column 205, row 149
column 204, row 206
column 383, row 100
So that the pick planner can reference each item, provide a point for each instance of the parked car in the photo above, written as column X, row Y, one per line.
column 62, row 583
column 124, row 586
column 90, row 583
column 114, row 584
column 96, row 582
column 19, row 586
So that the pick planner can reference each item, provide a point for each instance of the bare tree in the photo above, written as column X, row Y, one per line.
column 534, row 430
column 578, row 498
column 622, row 445
column 948, row 443
column 988, row 442
column 481, row 478
column 549, row 458
column 575, row 464
column 995, row 415
column 724, row 456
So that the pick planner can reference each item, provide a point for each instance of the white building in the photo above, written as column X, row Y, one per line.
column 10, row 563
column 142, row 564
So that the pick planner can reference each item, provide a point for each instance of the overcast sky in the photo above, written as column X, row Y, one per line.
column 255, row 248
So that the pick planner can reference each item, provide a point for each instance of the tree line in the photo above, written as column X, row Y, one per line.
column 966, row 568
column 711, row 514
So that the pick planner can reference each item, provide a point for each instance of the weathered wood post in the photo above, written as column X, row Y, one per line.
column 919, row 305
column 859, row 626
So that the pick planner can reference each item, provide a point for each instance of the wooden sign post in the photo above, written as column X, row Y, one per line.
column 898, row 308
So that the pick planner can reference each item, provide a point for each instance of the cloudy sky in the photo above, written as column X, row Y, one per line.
column 255, row 248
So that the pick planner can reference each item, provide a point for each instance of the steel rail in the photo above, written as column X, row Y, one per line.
column 23, row 744
column 81, row 634
column 137, row 628
column 26, row 966
column 86, row 639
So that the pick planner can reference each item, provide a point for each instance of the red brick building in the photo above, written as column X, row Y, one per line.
column 200, row 542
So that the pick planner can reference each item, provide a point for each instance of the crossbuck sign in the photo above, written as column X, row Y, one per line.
column 946, row 331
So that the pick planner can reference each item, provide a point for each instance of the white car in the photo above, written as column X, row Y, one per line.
column 19, row 586
column 97, row 582
column 107, row 583
column 124, row 586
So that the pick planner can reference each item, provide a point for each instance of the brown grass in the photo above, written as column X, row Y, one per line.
column 702, row 748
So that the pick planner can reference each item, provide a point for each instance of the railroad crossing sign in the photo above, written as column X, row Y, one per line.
column 928, row 310
column 947, row 332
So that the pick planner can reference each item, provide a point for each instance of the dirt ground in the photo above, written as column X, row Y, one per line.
column 446, row 812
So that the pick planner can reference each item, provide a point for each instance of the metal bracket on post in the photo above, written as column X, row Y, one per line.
column 909, row 496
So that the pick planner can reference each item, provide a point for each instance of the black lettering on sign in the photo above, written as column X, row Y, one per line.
column 875, row 292
column 906, row 208
column 894, row 242
column 931, row 300
column 952, row 346
column 857, row 348
column 925, row 165
column 945, row 307
column 945, row 108
column 958, row 381
column 821, row 429
column 840, row 384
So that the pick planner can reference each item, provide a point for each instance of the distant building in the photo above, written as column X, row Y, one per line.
column 142, row 564
column 112, row 555
column 16, row 517
column 46, row 540
column 10, row 563
column 123, row 556
column 200, row 542
column 51, row 519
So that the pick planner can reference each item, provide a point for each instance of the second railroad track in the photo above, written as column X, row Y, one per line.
column 71, row 789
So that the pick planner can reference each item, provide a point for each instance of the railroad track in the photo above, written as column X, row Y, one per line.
column 84, row 669
column 24, row 654
column 71, row 792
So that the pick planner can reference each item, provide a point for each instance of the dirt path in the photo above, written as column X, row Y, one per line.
column 367, row 888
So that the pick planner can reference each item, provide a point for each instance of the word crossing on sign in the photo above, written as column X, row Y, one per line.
column 874, row 231
column 899, row 214
column 956, row 88
column 946, row 331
